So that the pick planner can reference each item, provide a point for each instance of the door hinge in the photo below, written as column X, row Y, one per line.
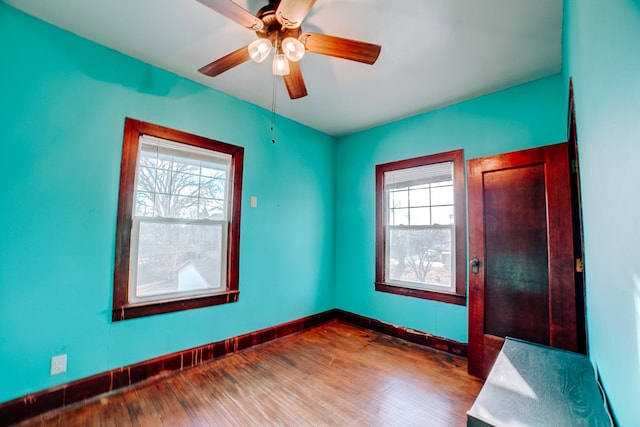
column 574, row 165
column 579, row 265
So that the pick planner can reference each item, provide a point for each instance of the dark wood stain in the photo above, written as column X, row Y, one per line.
column 578, row 235
column 517, row 300
column 525, row 283
column 412, row 335
column 82, row 390
column 332, row 374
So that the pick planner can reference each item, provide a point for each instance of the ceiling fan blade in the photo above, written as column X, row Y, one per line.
column 290, row 13
column 352, row 50
column 227, row 62
column 234, row 12
column 294, row 81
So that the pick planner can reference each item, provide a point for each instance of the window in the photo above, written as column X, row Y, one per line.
column 178, row 228
column 420, row 228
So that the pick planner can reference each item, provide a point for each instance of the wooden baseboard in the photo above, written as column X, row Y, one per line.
column 57, row 397
column 450, row 346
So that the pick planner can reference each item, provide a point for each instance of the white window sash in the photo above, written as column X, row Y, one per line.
column 414, row 284
column 221, row 161
column 133, row 267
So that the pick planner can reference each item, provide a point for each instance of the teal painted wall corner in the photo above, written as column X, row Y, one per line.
column 521, row 117
column 64, row 101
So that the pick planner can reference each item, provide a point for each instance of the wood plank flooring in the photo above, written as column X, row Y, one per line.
column 335, row 374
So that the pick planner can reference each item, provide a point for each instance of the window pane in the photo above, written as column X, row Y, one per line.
column 442, row 195
column 185, row 184
column 442, row 215
column 420, row 216
column 162, row 205
column 172, row 181
column 212, row 170
column 399, row 217
column 144, row 204
column 146, row 177
column 152, row 179
column 162, row 182
column 211, row 209
column 184, row 165
column 178, row 257
column 149, row 159
column 162, row 161
column 420, row 256
column 212, row 188
column 419, row 196
column 185, row 207
column 398, row 199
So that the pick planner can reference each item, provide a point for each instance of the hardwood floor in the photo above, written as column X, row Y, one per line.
column 335, row 374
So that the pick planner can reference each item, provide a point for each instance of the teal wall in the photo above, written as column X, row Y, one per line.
column 63, row 101
column 602, row 54
column 518, row 118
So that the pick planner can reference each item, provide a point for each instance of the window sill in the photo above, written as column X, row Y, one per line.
column 131, row 311
column 422, row 293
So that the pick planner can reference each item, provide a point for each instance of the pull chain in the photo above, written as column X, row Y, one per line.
column 273, row 100
column 273, row 112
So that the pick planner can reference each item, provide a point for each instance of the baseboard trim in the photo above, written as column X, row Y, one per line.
column 63, row 395
column 450, row 346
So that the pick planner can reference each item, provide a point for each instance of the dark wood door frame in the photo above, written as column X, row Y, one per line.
column 576, row 210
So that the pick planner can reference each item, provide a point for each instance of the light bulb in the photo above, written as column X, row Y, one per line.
column 280, row 65
column 293, row 49
column 259, row 49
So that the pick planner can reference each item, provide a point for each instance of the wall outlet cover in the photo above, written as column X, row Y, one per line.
column 59, row 364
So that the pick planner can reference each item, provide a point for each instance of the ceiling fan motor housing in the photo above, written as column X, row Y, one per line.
column 272, row 29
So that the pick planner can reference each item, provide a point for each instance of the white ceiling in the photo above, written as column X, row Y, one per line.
column 434, row 52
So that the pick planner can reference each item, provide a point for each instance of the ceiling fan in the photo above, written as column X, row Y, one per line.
column 277, row 26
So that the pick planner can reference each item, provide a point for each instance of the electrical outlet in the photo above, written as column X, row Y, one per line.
column 59, row 364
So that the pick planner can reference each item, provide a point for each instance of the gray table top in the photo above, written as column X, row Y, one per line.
column 536, row 385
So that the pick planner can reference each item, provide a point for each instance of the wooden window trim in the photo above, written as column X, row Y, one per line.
column 459, row 297
column 122, row 309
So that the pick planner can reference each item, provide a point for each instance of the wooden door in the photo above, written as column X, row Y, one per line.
column 520, row 232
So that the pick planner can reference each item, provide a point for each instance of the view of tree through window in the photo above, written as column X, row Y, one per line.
column 420, row 255
column 174, row 186
column 178, row 219
column 420, row 228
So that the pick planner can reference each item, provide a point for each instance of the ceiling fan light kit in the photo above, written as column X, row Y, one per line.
column 277, row 26
column 293, row 49
column 281, row 65
column 259, row 49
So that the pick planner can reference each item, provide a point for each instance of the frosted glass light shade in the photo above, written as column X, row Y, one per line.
column 280, row 65
column 293, row 49
column 259, row 49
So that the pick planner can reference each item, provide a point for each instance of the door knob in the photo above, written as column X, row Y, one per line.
column 474, row 264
